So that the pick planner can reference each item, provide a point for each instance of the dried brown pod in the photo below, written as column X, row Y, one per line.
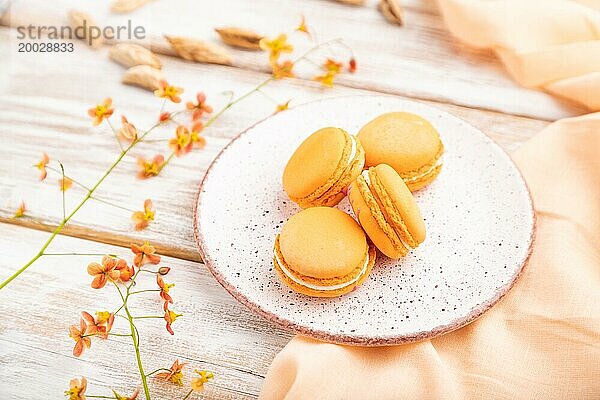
column 125, row 6
column 240, row 37
column 130, row 55
column 392, row 11
column 199, row 50
column 143, row 76
column 352, row 2
column 85, row 28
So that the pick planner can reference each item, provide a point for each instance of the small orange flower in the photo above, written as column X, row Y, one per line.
column 182, row 142
column 81, row 341
column 77, row 389
column 42, row 166
column 174, row 374
column 132, row 397
column 200, row 107
column 352, row 65
column 199, row 381
column 65, row 184
column 302, row 26
column 276, row 46
column 197, row 140
column 142, row 218
column 147, row 168
column 332, row 66
column 167, row 91
column 144, row 254
column 104, row 272
column 164, row 289
column 164, row 117
column 20, row 211
column 282, row 107
column 101, row 325
column 326, row 79
column 284, row 70
column 125, row 271
column 170, row 317
column 101, row 111
column 128, row 132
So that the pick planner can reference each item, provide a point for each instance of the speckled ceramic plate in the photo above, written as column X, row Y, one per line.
column 478, row 214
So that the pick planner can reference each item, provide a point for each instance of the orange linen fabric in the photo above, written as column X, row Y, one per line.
column 550, row 44
column 542, row 341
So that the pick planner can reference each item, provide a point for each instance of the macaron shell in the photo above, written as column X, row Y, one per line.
column 314, row 162
column 405, row 141
column 398, row 204
column 309, row 186
column 322, row 242
column 336, row 194
column 373, row 221
column 421, row 182
column 327, row 293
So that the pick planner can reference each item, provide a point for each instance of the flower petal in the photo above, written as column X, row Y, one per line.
column 94, row 268
column 88, row 318
column 99, row 281
column 78, row 349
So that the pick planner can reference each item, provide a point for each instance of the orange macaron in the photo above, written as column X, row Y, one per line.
column 387, row 211
column 322, row 167
column 406, row 142
column 322, row 252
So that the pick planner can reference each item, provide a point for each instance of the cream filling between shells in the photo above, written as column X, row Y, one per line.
column 353, row 153
column 365, row 175
column 439, row 162
column 287, row 273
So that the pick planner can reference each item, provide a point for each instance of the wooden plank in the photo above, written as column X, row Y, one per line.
column 420, row 60
column 215, row 333
column 44, row 110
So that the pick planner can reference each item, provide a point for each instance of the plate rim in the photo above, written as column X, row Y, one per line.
column 354, row 340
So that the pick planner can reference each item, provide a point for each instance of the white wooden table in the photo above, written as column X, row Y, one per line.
column 43, row 109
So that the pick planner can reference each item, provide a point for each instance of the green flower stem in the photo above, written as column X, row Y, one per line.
column 144, row 291
column 89, row 194
column 100, row 397
column 188, row 394
column 134, row 335
column 234, row 102
column 120, row 334
column 156, row 140
column 62, row 188
column 79, row 254
column 166, row 162
column 110, row 203
column 149, row 316
column 68, row 177
column 149, row 271
column 136, row 345
column 157, row 370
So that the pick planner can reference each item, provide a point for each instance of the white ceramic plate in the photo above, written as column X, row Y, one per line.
column 478, row 213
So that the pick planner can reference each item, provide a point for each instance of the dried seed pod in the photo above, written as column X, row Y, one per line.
column 125, row 6
column 143, row 76
column 352, row 2
column 85, row 28
column 392, row 11
column 240, row 37
column 199, row 50
column 130, row 55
